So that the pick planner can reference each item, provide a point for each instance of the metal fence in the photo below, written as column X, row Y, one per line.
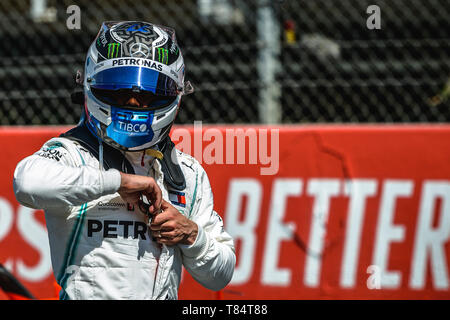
column 291, row 61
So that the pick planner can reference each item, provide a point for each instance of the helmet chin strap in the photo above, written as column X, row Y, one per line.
column 154, row 153
column 100, row 150
column 115, row 158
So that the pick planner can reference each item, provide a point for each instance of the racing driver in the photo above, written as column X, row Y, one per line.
column 124, row 209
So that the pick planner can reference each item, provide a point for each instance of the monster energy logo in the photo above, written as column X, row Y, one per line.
column 163, row 55
column 113, row 50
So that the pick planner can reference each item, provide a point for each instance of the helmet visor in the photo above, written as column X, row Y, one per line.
column 135, row 78
column 133, row 99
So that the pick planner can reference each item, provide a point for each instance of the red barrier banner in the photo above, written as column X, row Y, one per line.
column 317, row 212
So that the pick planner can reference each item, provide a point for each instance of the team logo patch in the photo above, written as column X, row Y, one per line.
column 177, row 198
column 52, row 151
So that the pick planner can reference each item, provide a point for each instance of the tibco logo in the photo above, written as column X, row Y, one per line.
column 130, row 127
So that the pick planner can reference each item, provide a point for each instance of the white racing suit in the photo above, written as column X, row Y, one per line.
column 101, row 247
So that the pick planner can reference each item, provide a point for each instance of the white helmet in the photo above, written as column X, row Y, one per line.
column 133, row 59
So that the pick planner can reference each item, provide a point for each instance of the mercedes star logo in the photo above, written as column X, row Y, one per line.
column 139, row 50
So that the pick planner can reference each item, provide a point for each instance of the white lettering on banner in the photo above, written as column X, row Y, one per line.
column 35, row 234
column 243, row 230
column 6, row 224
column 322, row 190
column 430, row 242
column 278, row 231
column 243, row 220
column 358, row 190
column 387, row 232
column 6, row 218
